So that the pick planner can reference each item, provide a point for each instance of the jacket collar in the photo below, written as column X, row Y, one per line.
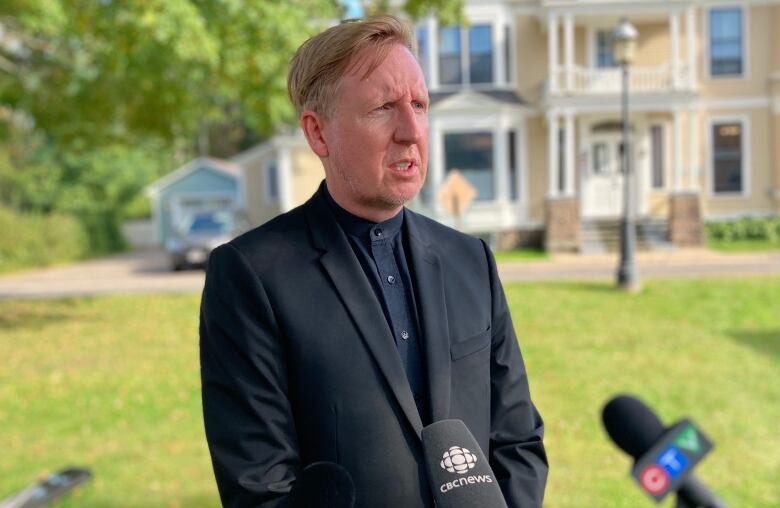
column 350, row 281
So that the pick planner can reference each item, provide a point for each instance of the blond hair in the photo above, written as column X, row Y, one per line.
column 321, row 61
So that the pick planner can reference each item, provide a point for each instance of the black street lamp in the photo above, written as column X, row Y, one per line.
column 624, row 40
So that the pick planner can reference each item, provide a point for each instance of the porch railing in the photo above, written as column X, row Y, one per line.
column 587, row 80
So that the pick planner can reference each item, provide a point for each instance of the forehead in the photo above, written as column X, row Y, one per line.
column 396, row 73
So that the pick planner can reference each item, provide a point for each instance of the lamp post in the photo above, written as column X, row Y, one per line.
column 624, row 40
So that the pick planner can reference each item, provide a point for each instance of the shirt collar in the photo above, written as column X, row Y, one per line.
column 360, row 227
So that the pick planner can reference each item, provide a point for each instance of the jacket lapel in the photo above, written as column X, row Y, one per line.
column 347, row 275
column 433, row 317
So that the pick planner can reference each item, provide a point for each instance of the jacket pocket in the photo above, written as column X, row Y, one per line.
column 462, row 348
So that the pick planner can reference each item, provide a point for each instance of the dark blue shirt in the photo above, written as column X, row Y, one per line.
column 379, row 247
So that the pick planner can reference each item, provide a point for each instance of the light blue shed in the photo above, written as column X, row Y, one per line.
column 204, row 184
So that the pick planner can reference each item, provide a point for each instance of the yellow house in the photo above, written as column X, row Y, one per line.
column 526, row 104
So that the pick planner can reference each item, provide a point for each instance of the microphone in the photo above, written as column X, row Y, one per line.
column 664, row 457
column 458, row 472
column 323, row 485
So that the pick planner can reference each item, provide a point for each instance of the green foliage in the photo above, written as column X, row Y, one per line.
column 449, row 12
column 96, row 186
column 30, row 240
column 91, row 72
column 746, row 229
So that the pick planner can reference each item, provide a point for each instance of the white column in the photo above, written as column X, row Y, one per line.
column 568, row 50
column 569, row 157
column 552, row 51
column 433, row 48
column 677, row 152
column 552, row 154
column 690, row 34
column 674, row 29
column 693, row 145
column 501, row 166
column 284, row 173
column 499, row 36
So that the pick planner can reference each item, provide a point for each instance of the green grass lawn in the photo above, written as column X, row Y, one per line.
column 112, row 383
column 742, row 245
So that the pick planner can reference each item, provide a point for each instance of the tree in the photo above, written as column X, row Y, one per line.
column 98, row 97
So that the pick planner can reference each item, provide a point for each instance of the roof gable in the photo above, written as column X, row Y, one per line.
column 223, row 167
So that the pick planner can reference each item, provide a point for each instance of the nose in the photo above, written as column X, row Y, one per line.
column 412, row 125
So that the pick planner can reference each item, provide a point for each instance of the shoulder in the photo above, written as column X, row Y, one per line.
column 448, row 243
column 281, row 240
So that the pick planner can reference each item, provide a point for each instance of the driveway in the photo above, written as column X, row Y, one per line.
column 135, row 272
column 148, row 272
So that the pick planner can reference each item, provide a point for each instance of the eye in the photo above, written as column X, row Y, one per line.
column 419, row 106
column 385, row 107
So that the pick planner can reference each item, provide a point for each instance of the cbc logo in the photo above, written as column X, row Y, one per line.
column 458, row 460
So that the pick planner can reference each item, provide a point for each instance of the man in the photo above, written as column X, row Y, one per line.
column 336, row 331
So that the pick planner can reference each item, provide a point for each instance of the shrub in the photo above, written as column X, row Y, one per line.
column 746, row 229
column 30, row 240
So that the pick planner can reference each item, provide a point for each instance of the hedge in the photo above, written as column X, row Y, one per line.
column 32, row 240
column 755, row 229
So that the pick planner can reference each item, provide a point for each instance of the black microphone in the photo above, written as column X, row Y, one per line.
column 323, row 485
column 458, row 472
column 636, row 429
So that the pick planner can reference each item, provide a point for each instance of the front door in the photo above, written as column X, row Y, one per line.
column 602, row 182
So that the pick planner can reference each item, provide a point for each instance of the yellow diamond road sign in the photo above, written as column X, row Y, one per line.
column 456, row 193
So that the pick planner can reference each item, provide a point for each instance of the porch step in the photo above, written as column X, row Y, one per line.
column 597, row 236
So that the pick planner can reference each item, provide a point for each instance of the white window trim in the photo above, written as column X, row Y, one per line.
column 744, row 121
column 666, row 140
column 707, row 60
column 592, row 29
column 266, row 165
column 498, row 18
column 501, row 127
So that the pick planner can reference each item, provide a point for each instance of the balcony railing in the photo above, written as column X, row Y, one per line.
column 586, row 80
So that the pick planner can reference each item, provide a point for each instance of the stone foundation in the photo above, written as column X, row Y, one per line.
column 520, row 239
column 562, row 225
column 686, row 228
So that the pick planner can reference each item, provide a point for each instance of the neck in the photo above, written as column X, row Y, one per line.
column 367, row 212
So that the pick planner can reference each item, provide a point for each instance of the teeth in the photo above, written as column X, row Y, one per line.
column 403, row 166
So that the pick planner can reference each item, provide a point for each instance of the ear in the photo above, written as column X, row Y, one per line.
column 312, row 125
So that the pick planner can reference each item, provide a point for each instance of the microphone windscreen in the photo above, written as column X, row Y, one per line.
column 632, row 425
column 458, row 471
column 323, row 485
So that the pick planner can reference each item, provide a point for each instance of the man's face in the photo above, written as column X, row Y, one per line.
column 377, row 137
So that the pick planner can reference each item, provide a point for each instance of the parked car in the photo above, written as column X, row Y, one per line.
column 200, row 233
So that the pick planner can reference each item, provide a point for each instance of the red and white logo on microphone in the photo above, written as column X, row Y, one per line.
column 458, row 460
column 654, row 479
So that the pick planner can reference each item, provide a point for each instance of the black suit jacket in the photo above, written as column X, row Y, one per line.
column 298, row 364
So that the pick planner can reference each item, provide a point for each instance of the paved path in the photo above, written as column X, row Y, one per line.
column 147, row 272
column 657, row 264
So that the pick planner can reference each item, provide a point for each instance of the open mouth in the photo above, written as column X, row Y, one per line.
column 403, row 166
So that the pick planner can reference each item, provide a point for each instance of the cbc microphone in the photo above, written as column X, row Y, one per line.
column 458, row 472
column 664, row 457
column 323, row 485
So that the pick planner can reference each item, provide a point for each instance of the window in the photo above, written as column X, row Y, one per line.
column 726, row 47
column 481, row 54
column 476, row 66
column 727, row 157
column 605, row 56
column 472, row 154
column 657, row 152
column 512, row 165
column 600, row 158
column 449, row 56
column 561, row 160
column 271, row 182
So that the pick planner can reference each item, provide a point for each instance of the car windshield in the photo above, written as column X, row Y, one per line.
column 208, row 224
